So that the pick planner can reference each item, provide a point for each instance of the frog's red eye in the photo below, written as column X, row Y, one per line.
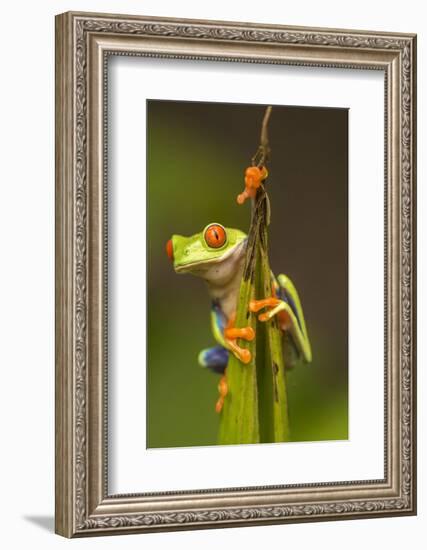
column 215, row 235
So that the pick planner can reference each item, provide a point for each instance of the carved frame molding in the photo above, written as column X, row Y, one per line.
column 83, row 43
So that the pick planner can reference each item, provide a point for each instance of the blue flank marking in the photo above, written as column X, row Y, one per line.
column 283, row 295
column 219, row 315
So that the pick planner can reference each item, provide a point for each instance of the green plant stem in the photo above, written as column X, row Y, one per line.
column 271, row 368
column 239, row 418
column 256, row 409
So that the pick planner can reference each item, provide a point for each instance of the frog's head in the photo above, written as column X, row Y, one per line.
column 213, row 254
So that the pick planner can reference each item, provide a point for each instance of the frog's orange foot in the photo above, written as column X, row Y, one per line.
column 246, row 333
column 231, row 333
column 244, row 355
column 223, row 390
column 272, row 303
column 245, row 195
column 256, row 305
column 254, row 176
column 265, row 316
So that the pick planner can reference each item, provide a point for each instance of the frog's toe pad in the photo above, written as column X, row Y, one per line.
column 264, row 317
column 245, row 356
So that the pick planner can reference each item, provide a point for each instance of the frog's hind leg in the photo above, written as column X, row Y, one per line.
column 214, row 359
column 287, row 306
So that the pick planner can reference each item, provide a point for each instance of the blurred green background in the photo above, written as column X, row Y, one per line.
column 197, row 154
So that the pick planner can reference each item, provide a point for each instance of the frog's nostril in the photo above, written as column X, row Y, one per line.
column 169, row 250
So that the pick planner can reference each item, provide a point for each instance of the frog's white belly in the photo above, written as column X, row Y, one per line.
column 223, row 280
column 226, row 297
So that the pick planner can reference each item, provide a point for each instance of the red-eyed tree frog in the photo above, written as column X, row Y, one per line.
column 217, row 255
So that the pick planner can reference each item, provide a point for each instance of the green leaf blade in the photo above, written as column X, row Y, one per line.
column 239, row 416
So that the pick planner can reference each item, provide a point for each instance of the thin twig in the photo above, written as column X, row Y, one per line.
column 263, row 152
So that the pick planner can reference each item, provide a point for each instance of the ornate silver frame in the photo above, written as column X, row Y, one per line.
column 83, row 42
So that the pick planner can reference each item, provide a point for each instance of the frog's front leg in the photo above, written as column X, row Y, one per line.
column 216, row 358
column 286, row 304
column 226, row 334
column 231, row 333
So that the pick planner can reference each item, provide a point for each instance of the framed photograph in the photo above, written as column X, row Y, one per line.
column 274, row 167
